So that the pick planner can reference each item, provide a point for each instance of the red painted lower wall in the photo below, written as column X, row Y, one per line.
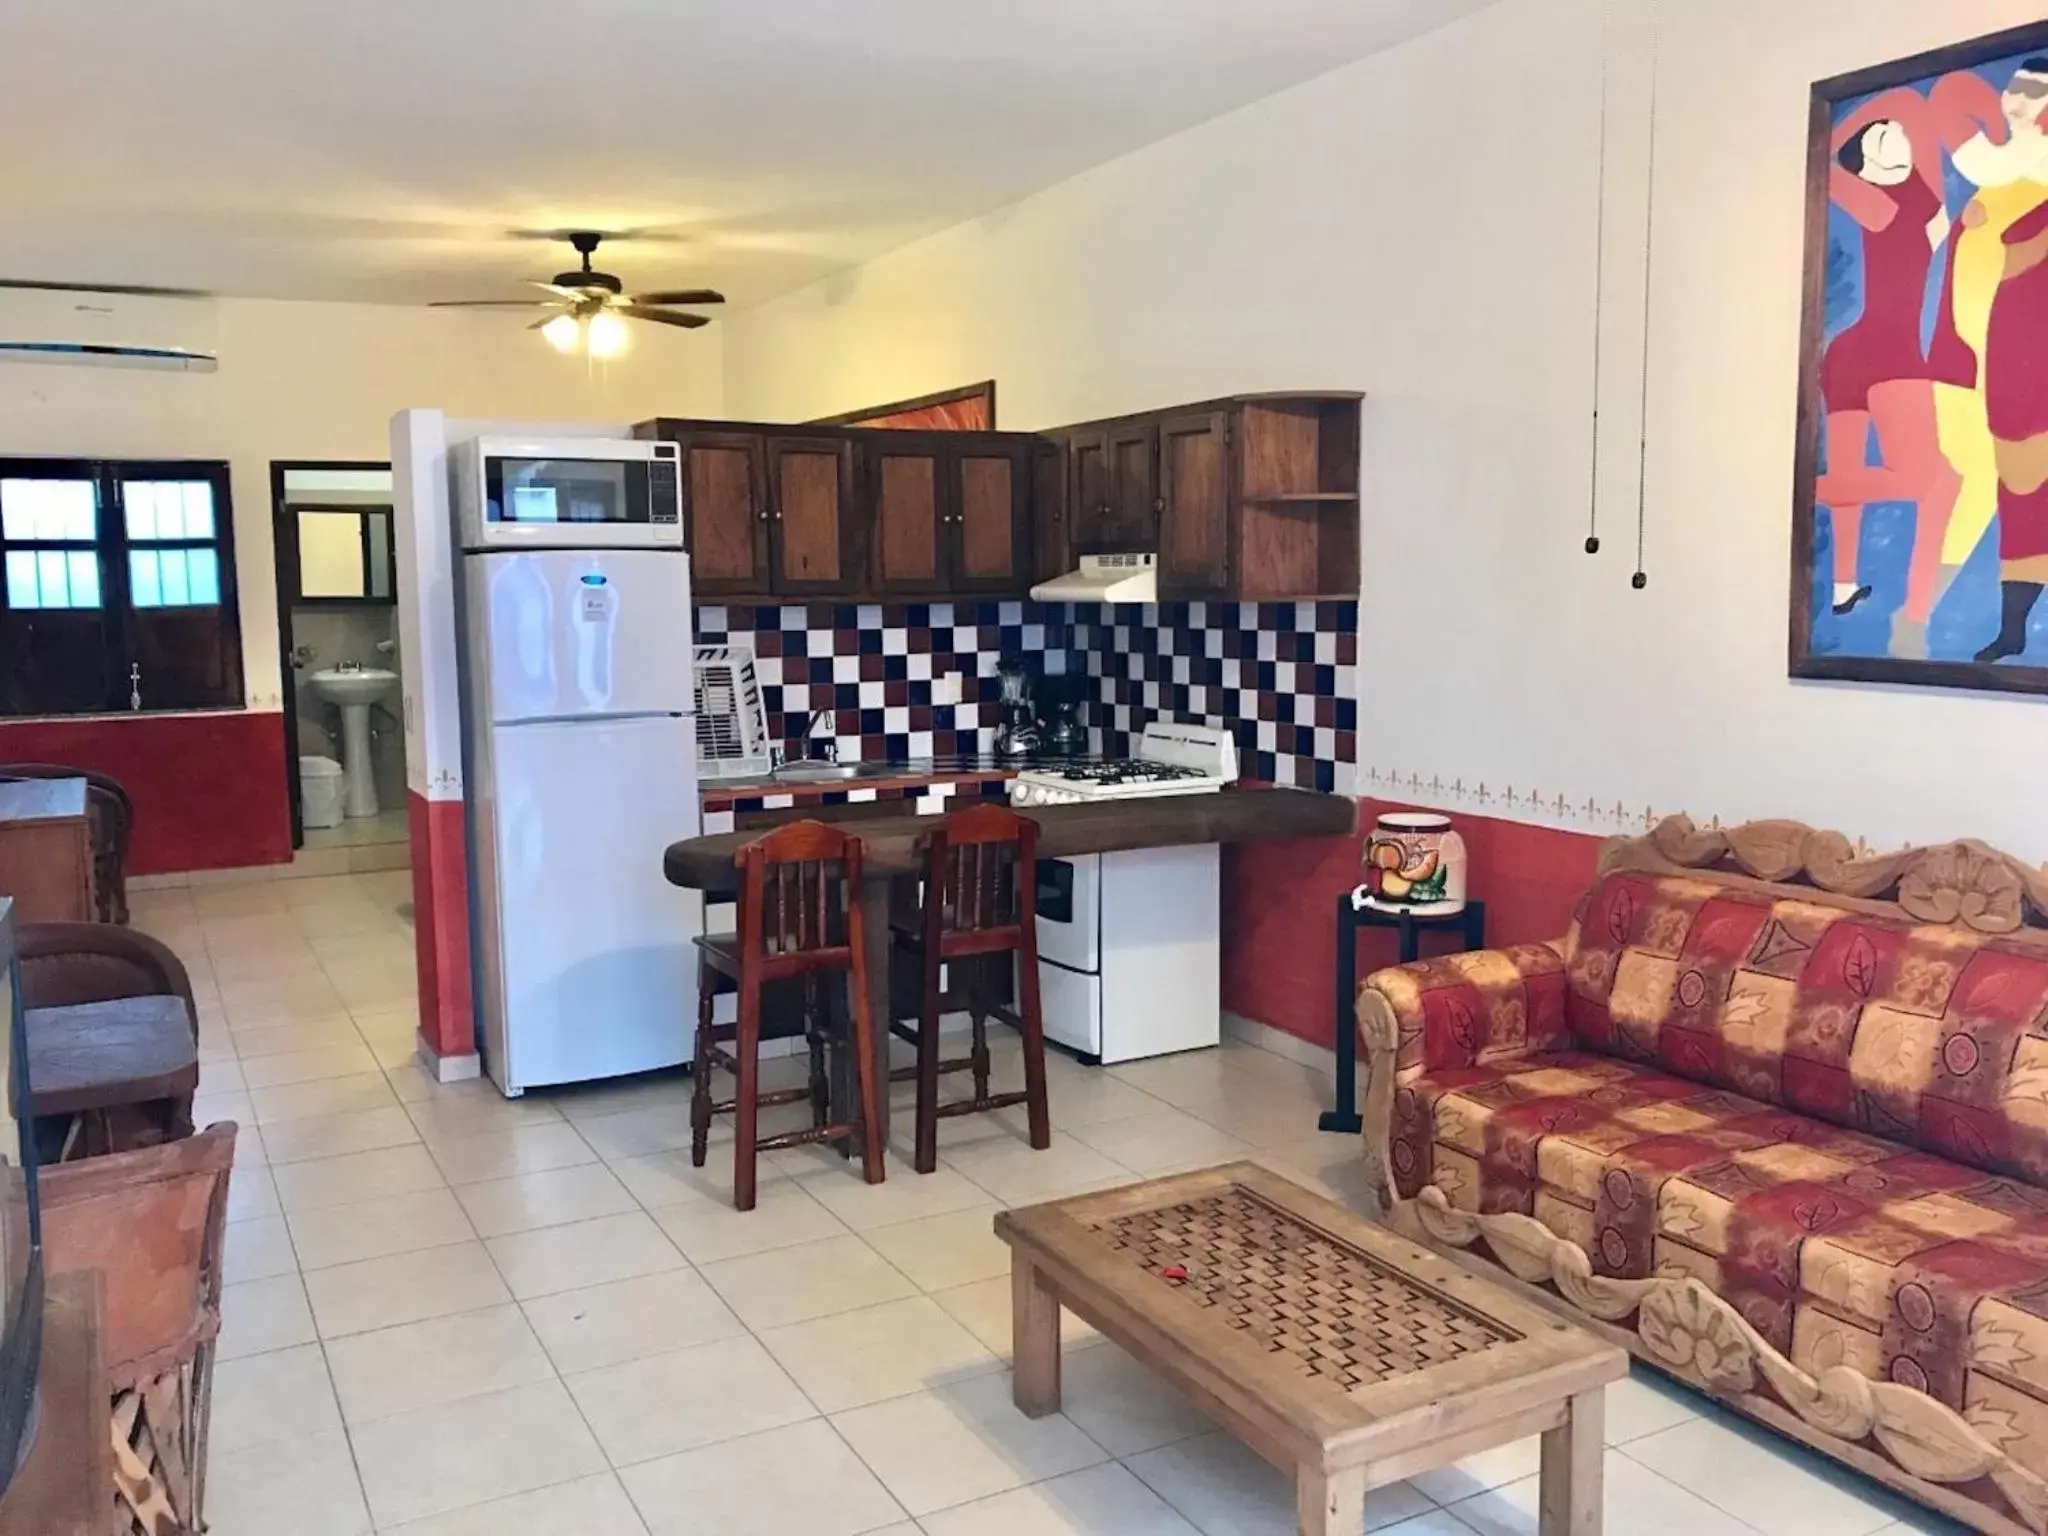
column 209, row 790
column 1279, row 910
column 440, row 923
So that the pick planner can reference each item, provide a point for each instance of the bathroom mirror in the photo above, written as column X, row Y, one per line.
column 345, row 554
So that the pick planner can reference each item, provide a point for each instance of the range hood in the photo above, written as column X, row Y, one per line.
column 1105, row 579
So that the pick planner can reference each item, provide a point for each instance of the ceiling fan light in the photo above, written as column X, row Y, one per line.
column 563, row 333
column 608, row 335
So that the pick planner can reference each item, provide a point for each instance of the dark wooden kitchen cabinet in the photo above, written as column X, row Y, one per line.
column 815, row 537
column 725, row 511
column 1194, row 502
column 952, row 513
column 1250, row 497
column 1254, row 496
column 1113, row 494
column 906, row 475
column 991, row 543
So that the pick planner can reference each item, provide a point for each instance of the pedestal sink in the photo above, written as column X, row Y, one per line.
column 355, row 690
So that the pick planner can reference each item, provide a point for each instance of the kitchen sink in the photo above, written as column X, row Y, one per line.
column 816, row 773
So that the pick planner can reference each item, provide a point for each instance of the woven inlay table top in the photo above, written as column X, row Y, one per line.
column 1335, row 1313
column 1318, row 1335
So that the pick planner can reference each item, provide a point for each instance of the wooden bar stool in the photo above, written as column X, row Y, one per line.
column 799, row 917
column 980, row 902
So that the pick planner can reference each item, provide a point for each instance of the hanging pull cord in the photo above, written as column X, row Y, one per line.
column 1641, row 578
column 1599, row 297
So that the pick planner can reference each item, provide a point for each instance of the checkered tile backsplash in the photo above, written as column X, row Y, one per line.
column 1282, row 675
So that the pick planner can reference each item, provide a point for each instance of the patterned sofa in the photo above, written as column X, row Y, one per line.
column 1774, row 1114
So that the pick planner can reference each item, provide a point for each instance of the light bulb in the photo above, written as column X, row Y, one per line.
column 563, row 333
column 608, row 335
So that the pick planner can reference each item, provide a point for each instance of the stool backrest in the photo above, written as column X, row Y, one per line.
column 799, row 898
column 980, row 880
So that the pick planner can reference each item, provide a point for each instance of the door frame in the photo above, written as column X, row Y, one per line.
column 284, row 549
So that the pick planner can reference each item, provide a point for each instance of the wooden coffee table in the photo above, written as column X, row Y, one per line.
column 1336, row 1349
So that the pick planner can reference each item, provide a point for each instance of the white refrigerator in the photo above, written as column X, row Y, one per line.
column 580, row 744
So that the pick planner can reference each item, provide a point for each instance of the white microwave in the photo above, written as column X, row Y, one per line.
column 568, row 493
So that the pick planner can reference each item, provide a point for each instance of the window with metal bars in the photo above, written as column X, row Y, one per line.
column 117, row 587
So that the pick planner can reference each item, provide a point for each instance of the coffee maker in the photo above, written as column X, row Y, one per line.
column 1017, row 733
column 1064, row 735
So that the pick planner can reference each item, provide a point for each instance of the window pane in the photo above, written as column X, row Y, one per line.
column 55, row 582
column 145, row 589
column 85, row 579
column 198, row 509
column 23, row 590
column 138, row 503
column 202, row 566
column 175, row 593
column 47, row 509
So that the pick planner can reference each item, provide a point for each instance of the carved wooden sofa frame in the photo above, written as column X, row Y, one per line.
column 1895, row 1434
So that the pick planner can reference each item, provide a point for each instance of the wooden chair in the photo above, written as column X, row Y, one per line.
column 113, row 1038
column 152, row 1223
column 980, row 904
column 799, row 917
column 112, row 814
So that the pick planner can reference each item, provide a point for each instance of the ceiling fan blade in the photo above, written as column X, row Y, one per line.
column 659, row 317
column 556, row 288
column 681, row 296
column 547, row 320
column 490, row 304
column 135, row 290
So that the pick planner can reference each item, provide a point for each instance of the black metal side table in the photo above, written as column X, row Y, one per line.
column 1471, row 922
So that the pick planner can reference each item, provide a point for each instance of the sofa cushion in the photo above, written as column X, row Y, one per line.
column 1837, row 1247
column 1929, row 1036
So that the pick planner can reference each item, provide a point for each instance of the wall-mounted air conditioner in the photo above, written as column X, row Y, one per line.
column 107, row 330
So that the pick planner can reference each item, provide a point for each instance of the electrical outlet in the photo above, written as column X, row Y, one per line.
column 946, row 690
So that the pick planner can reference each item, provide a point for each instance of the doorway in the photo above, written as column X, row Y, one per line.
column 337, row 625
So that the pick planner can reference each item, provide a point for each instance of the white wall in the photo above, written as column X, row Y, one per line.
column 321, row 381
column 1420, row 226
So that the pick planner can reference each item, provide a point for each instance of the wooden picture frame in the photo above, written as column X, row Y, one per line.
column 1914, row 552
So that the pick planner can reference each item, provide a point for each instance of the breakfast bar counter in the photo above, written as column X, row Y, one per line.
column 1236, row 815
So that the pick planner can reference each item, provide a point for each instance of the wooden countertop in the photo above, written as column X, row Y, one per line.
column 1245, row 815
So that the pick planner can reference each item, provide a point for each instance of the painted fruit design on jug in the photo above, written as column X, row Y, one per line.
column 1415, row 861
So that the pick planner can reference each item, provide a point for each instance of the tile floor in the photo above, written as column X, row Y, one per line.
column 451, row 1314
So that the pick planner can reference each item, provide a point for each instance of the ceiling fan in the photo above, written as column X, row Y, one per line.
column 591, row 307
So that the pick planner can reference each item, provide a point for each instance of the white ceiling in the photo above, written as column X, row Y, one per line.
column 381, row 149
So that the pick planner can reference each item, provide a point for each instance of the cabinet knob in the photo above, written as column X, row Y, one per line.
column 1159, row 504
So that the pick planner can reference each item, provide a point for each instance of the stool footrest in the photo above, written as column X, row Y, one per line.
column 976, row 1106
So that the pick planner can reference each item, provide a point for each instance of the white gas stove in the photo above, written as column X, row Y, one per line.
column 1171, row 760
column 1127, row 941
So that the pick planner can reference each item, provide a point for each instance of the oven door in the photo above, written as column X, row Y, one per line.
column 1069, row 912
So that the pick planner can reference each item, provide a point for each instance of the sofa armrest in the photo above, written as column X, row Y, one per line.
column 1485, row 1006
column 63, row 964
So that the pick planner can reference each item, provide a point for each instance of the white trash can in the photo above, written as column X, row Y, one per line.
column 319, row 792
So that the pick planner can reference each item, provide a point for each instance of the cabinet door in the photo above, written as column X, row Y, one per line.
column 1088, row 508
column 725, row 515
column 1194, row 496
column 991, row 524
column 1052, row 540
column 906, row 484
column 810, row 499
column 1133, row 521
